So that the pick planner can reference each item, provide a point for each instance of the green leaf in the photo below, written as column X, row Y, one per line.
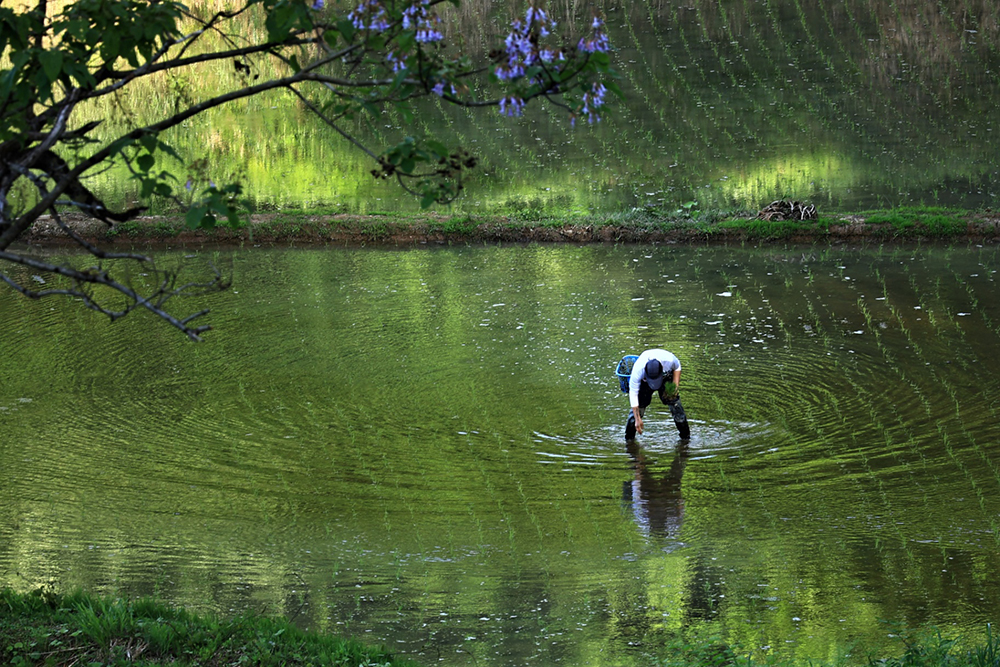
column 79, row 72
column 533, row 72
column 194, row 216
column 398, row 79
column 438, row 148
column 346, row 29
column 119, row 145
column 43, row 84
column 9, row 78
column 613, row 87
column 149, row 142
column 279, row 22
column 406, row 41
column 145, row 162
column 168, row 149
column 51, row 63
column 600, row 59
column 110, row 47
column 14, row 29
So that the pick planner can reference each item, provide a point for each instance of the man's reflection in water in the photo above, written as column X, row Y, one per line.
column 655, row 493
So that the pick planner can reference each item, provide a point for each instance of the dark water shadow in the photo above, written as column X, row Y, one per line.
column 654, row 494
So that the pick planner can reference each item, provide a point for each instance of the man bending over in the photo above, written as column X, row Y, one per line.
column 660, row 371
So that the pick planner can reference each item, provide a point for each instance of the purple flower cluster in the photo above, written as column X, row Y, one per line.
column 441, row 87
column 395, row 62
column 417, row 17
column 369, row 15
column 593, row 100
column 512, row 106
column 317, row 5
column 598, row 40
column 522, row 49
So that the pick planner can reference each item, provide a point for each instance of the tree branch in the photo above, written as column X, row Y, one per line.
column 154, row 302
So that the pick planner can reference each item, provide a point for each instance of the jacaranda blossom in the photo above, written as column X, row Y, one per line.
column 593, row 100
column 598, row 40
column 369, row 15
column 395, row 62
column 440, row 86
column 417, row 17
column 429, row 34
column 512, row 106
column 521, row 47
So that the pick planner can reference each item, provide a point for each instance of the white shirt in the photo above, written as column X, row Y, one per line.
column 669, row 362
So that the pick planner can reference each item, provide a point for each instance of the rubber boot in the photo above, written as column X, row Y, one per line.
column 680, row 417
column 630, row 427
column 630, row 424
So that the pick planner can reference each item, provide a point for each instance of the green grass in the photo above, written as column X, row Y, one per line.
column 920, row 648
column 42, row 628
column 768, row 229
column 456, row 225
column 919, row 220
column 130, row 228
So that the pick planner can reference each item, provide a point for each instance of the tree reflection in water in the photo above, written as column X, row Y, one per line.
column 654, row 493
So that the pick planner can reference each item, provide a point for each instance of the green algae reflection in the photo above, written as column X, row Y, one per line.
column 849, row 105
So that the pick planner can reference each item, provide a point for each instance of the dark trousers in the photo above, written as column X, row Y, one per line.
column 676, row 409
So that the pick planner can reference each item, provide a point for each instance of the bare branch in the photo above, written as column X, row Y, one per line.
column 154, row 302
column 92, row 249
column 53, row 135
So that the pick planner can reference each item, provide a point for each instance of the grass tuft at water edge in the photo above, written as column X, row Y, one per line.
column 44, row 628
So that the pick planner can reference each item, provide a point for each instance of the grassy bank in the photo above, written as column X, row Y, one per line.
column 686, row 225
column 42, row 628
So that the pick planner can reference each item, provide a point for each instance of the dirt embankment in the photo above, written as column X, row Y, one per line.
column 353, row 230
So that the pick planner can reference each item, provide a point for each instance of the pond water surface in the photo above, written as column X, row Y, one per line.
column 424, row 448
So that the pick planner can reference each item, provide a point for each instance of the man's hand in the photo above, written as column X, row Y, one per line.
column 638, row 421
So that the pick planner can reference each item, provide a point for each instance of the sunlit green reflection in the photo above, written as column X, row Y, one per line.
column 848, row 105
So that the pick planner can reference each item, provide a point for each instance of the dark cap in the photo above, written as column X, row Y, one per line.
column 654, row 374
